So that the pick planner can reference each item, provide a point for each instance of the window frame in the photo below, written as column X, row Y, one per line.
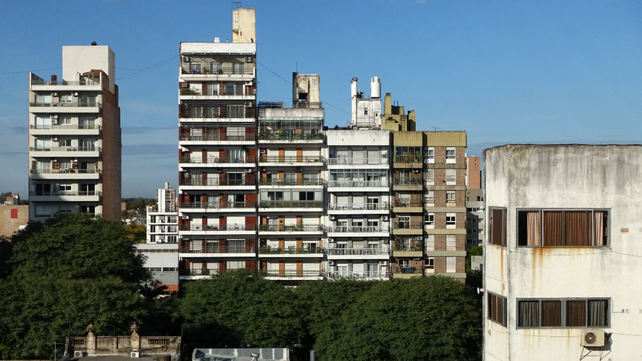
column 491, row 226
column 524, row 243
column 451, row 158
column 563, row 314
column 451, row 220
column 492, row 315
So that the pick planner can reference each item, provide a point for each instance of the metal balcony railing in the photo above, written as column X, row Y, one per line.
column 406, row 270
column 360, row 184
column 213, row 160
column 290, row 250
column 290, row 204
column 356, row 251
column 291, row 182
column 408, row 225
column 409, row 181
column 290, row 136
column 70, row 104
column 354, row 274
column 65, row 149
column 220, row 249
column 358, row 229
column 223, row 69
column 408, row 203
column 413, row 247
column 408, row 159
column 292, row 159
column 66, row 193
column 290, row 228
column 217, row 182
column 294, row 273
column 217, row 204
column 65, row 126
column 65, row 82
column 68, row 170
column 357, row 161
column 225, row 227
column 219, row 138
column 358, row 206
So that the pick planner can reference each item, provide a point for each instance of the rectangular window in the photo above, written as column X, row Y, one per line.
column 195, row 68
column 429, row 221
column 451, row 264
column 429, row 198
column 497, row 227
column 429, row 176
column 451, row 242
column 429, row 153
column 451, row 177
column 430, row 242
column 64, row 208
column 450, row 197
column 497, row 308
column 451, row 220
column 563, row 313
column 43, row 211
column 450, row 155
column 430, row 263
column 558, row 228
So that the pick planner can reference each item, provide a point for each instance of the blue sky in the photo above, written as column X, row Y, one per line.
column 504, row 71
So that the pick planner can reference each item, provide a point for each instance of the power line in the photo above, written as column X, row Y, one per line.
column 149, row 67
column 26, row 71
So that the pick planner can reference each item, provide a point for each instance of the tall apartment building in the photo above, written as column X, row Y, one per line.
column 218, row 152
column 75, row 137
column 474, row 203
column 291, row 185
column 429, row 206
column 162, row 219
column 562, row 256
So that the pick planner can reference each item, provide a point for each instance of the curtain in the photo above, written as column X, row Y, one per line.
column 528, row 314
column 496, row 227
column 534, row 229
column 576, row 313
column 598, row 313
column 577, row 228
column 552, row 228
column 598, row 228
column 551, row 313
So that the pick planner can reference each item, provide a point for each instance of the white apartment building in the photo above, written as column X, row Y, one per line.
column 75, row 137
column 218, row 152
column 562, row 252
column 162, row 219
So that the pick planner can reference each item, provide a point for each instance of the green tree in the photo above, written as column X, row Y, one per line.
column 240, row 308
column 66, row 273
column 136, row 232
column 424, row 318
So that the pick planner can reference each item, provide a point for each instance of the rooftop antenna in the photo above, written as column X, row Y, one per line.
column 435, row 129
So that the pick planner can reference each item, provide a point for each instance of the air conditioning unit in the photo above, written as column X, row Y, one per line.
column 332, row 218
column 78, row 354
column 384, row 218
column 185, row 216
column 331, row 263
column 54, row 121
column 186, row 58
column 248, row 170
column 249, row 59
column 331, row 240
column 249, row 83
column 593, row 338
column 134, row 354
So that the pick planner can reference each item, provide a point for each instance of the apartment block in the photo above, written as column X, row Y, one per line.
column 75, row 137
column 562, row 252
column 291, row 184
column 162, row 219
column 218, row 152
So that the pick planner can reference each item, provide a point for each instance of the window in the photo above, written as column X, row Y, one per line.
column 429, row 198
column 450, row 155
column 429, row 176
column 429, row 221
column 430, row 242
column 451, row 264
column 306, row 196
column 239, row 68
column 43, row 211
column 450, row 197
column 43, row 123
column 429, row 153
column 215, row 68
column 497, row 309
column 451, row 242
column 65, row 142
column 195, row 68
column 558, row 228
column 236, row 111
column 451, row 219
column 365, row 111
column 65, row 98
column 451, row 176
column 430, row 264
column 64, row 187
column 64, row 120
column 497, row 227
column 404, row 222
column 563, row 313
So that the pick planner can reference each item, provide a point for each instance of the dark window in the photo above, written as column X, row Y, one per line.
column 581, row 228
column 497, row 308
column 497, row 230
column 563, row 313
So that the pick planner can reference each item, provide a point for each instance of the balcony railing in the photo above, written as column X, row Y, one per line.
column 413, row 247
column 212, row 160
column 408, row 203
column 65, row 126
column 409, row 181
column 219, row 137
column 217, row 182
column 294, row 273
column 406, row 270
column 65, row 149
column 358, row 229
column 359, row 184
column 355, row 274
column 356, row 251
column 225, row 227
column 292, row 159
column 290, row 204
column 408, row 225
column 217, row 205
column 358, row 206
column 291, row 250
column 291, row 182
column 66, row 193
column 65, row 82
column 290, row 228
column 290, row 136
column 219, row 249
column 357, row 161
column 223, row 69
column 247, row 113
column 68, row 170
column 70, row 104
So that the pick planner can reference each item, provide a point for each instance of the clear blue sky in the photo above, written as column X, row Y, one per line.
column 504, row 71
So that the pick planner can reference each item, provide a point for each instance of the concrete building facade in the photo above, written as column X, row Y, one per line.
column 75, row 137
column 562, row 252
column 162, row 219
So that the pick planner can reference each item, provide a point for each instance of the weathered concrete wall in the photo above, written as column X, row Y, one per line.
column 565, row 176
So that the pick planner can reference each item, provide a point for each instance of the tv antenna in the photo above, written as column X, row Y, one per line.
column 435, row 129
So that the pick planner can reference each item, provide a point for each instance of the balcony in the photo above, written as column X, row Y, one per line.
column 242, row 250
column 274, row 274
column 291, row 204
column 234, row 183
column 357, row 251
column 405, row 272
column 220, row 228
column 217, row 205
column 65, row 129
column 83, row 82
column 407, row 228
column 65, row 173
column 214, row 161
column 219, row 138
column 294, row 160
column 294, row 228
column 248, row 114
column 66, row 196
column 357, row 161
column 358, row 231
column 408, row 159
column 347, row 208
column 67, row 108
column 223, row 69
column 316, row 137
column 359, row 184
column 407, row 206
column 408, row 184
column 359, row 275
column 65, row 151
column 291, row 252
column 290, row 182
